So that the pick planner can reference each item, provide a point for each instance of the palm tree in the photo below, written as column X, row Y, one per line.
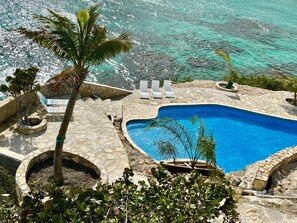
column 198, row 146
column 83, row 43
column 225, row 55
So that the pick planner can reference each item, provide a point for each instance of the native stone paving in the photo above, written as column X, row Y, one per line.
column 91, row 135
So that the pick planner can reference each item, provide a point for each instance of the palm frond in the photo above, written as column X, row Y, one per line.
column 71, row 77
column 206, row 149
column 176, row 130
column 110, row 48
column 167, row 150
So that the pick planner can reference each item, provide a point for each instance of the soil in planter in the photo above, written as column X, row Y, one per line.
column 75, row 175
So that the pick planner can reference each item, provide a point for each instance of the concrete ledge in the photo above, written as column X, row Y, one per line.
column 22, row 188
column 10, row 160
column 271, row 164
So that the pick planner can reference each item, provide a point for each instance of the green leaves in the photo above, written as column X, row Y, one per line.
column 163, row 198
column 225, row 55
column 200, row 146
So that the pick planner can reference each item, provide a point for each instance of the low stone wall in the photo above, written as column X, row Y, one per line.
column 10, row 160
column 22, row 188
column 87, row 89
column 272, row 163
column 8, row 107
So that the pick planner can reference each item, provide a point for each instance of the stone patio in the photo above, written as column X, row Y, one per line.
column 92, row 135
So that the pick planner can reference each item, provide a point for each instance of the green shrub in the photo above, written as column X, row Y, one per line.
column 261, row 81
column 165, row 198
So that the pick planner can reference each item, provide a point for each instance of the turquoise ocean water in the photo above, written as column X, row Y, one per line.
column 171, row 37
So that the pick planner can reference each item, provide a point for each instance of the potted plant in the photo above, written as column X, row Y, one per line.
column 22, row 86
column 227, row 86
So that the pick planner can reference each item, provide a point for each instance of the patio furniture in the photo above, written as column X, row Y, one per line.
column 144, row 93
column 167, row 89
column 156, row 89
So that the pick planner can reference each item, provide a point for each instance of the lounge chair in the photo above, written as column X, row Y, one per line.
column 167, row 89
column 53, row 106
column 156, row 89
column 52, row 101
column 144, row 90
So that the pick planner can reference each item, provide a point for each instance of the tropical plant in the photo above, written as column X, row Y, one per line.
column 163, row 198
column 225, row 55
column 197, row 146
column 22, row 86
column 292, row 86
column 83, row 43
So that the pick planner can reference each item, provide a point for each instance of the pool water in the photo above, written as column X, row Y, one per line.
column 241, row 137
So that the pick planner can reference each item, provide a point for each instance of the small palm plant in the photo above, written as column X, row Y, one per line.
column 197, row 146
column 83, row 43
column 292, row 86
column 225, row 55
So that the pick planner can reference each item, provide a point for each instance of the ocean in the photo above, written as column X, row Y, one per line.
column 170, row 38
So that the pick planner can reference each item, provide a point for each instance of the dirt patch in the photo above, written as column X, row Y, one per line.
column 75, row 175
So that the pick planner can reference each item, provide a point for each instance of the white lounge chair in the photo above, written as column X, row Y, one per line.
column 156, row 89
column 144, row 93
column 51, row 101
column 167, row 89
column 53, row 106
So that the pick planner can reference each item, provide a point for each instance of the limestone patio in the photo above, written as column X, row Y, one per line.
column 93, row 136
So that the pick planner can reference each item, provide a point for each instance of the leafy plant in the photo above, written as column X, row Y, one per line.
column 225, row 55
column 82, row 42
column 164, row 198
column 200, row 146
column 22, row 86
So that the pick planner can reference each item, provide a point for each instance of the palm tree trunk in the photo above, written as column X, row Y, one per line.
column 58, row 175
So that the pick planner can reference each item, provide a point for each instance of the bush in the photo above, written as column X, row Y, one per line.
column 261, row 81
column 165, row 198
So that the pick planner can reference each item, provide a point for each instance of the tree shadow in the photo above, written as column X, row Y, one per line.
column 290, row 109
column 20, row 143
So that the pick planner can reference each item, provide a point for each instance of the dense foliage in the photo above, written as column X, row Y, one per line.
column 22, row 86
column 164, row 198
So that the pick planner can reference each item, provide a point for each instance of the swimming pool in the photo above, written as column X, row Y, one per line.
column 242, row 137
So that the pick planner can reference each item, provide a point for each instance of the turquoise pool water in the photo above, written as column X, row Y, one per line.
column 171, row 37
column 241, row 137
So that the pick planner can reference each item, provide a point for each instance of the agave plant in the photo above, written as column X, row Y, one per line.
column 82, row 42
column 197, row 146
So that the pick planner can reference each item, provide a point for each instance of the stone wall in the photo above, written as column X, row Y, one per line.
column 87, row 89
column 272, row 163
column 22, row 188
column 8, row 107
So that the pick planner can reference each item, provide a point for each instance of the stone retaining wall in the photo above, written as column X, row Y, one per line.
column 22, row 188
column 87, row 89
column 271, row 164
column 8, row 106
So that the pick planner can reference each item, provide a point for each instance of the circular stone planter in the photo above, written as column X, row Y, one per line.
column 222, row 86
column 37, row 125
column 22, row 188
column 290, row 101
